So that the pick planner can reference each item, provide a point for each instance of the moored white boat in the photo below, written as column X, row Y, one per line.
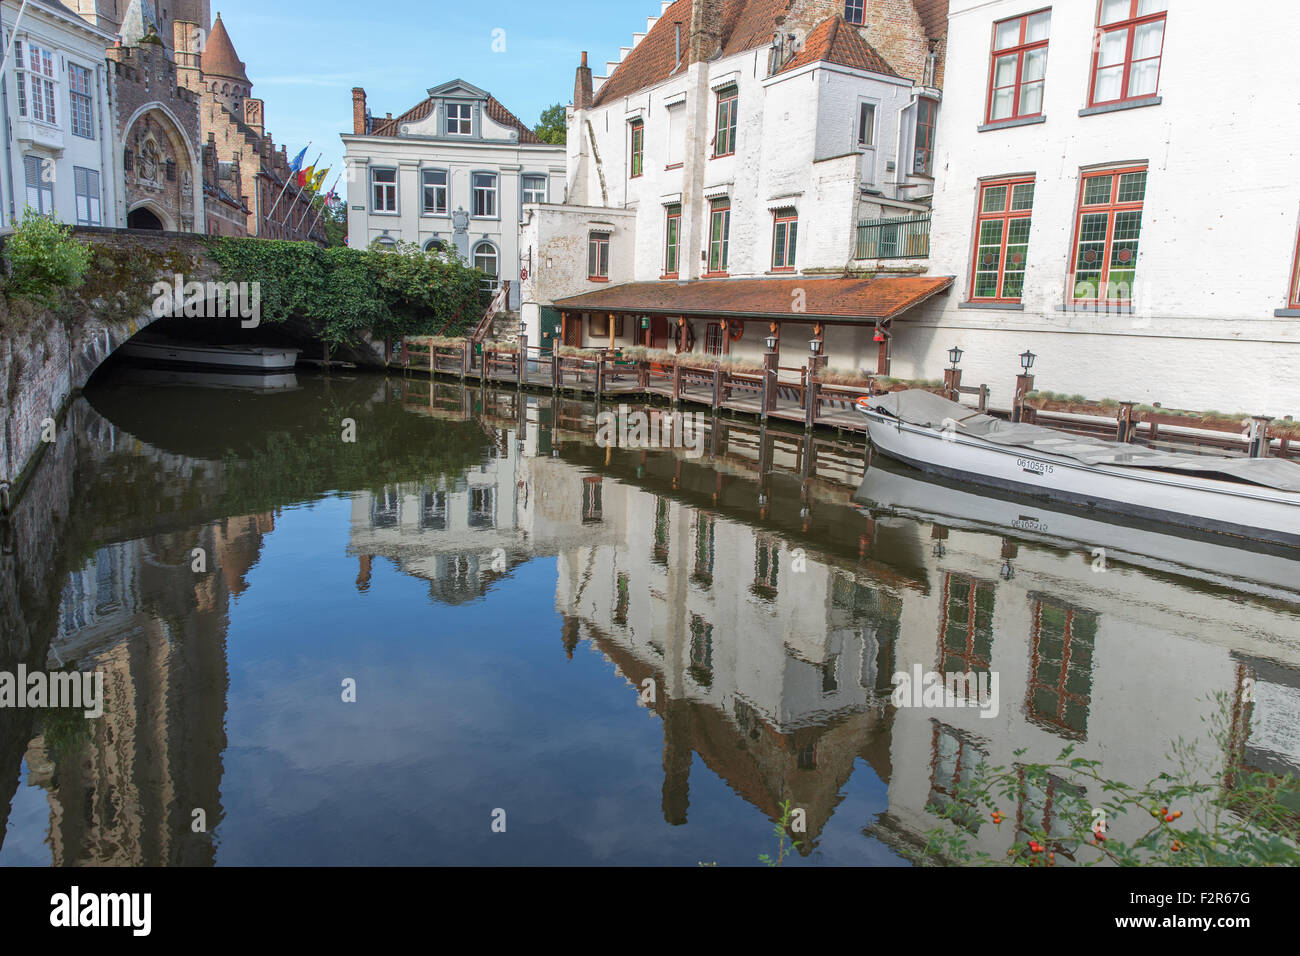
column 1255, row 499
column 253, row 358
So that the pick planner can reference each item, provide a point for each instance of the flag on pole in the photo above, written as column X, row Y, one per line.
column 293, row 171
column 320, row 179
column 305, row 176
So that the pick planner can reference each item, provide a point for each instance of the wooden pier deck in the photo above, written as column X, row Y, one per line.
column 609, row 378
column 779, row 393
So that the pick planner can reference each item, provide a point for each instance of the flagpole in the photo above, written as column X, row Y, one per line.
column 292, row 173
column 307, row 185
column 314, row 193
column 324, row 205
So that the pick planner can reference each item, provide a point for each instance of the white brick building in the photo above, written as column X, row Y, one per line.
column 1199, row 251
column 737, row 144
column 453, row 170
column 59, row 158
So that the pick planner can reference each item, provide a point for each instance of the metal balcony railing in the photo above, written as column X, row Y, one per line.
column 907, row 237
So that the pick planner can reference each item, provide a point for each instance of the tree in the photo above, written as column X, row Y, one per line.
column 335, row 222
column 552, row 128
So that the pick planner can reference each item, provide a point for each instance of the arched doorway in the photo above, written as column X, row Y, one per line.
column 143, row 218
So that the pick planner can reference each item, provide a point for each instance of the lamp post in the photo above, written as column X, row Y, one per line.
column 523, row 348
column 1024, row 385
column 952, row 376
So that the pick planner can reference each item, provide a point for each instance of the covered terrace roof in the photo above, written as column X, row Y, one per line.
column 847, row 300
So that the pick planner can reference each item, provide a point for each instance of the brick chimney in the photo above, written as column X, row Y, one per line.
column 582, row 94
column 358, row 111
column 706, row 30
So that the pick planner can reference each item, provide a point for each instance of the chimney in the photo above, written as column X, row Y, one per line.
column 706, row 30
column 358, row 111
column 582, row 94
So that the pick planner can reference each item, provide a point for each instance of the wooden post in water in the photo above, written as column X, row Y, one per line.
column 1125, row 430
column 717, row 387
column 677, row 382
column 600, row 372
column 1259, row 441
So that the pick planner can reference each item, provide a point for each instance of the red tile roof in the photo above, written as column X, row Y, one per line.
column 835, row 41
column 219, row 57
column 838, row 299
column 421, row 110
column 746, row 25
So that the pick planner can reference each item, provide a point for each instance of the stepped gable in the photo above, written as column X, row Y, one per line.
column 219, row 57
column 835, row 41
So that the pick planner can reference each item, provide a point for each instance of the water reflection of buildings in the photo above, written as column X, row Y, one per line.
column 772, row 638
column 122, row 788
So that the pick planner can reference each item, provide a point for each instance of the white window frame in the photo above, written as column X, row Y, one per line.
column 494, row 192
column 869, row 141
column 38, row 188
column 375, row 206
column 466, row 119
column 492, row 283
column 445, row 187
column 76, row 96
column 37, row 83
column 525, row 191
column 92, row 212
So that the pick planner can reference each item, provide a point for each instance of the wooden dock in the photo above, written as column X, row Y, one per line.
column 773, row 393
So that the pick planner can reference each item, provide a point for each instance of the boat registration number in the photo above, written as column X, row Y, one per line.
column 1035, row 467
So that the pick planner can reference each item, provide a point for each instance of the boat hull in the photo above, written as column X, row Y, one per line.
column 1251, row 512
column 252, row 359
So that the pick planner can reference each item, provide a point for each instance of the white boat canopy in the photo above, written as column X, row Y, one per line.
column 918, row 407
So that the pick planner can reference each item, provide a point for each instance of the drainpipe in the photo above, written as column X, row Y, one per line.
column 4, row 100
column 107, row 162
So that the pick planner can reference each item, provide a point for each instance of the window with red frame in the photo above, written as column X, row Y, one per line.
column 1002, row 240
column 719, row 235
column 855, row 11
column 724, row 140
column 598, row 255
column 927, row 112
column 1059, row 693
column 1019, row 66
column 1293, row 301
column 1106, row 235
column 1126, row 50
column 672, row 241
column 638, row 149
column 785, row 234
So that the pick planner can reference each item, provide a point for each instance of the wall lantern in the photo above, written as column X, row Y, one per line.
column 954, row 356
column 645, row 321
column 1027, row 360
column 771, row 343
column 815, row 346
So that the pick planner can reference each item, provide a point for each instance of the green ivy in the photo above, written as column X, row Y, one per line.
column 344, row 292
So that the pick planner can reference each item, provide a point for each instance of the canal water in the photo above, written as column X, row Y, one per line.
column 368, row 620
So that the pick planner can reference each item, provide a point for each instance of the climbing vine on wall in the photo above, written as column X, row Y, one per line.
column 345, row 292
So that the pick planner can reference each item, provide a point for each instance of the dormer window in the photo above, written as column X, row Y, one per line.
column 459, row 119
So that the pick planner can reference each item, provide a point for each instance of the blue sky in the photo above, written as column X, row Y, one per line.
column 304, row 59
